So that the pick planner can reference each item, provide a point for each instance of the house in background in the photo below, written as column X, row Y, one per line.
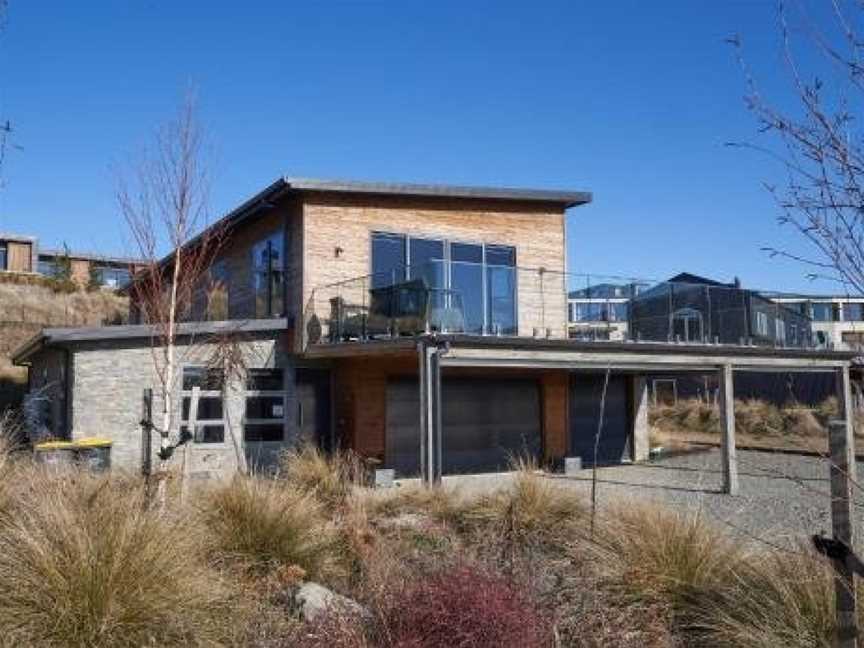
column 689, row 308
column 600, row 311
column 837, row 321
column 423, row 326
column 22, row 255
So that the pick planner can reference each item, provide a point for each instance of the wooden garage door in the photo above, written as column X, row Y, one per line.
column 486, row 423
column 586, row 391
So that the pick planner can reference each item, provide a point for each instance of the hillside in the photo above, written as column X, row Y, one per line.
column 29, row 303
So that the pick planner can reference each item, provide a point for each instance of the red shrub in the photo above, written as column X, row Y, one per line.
column 466, row 607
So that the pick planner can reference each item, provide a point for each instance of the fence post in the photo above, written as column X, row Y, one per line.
column 842, row 469
column 147, row 433
column 726, row 395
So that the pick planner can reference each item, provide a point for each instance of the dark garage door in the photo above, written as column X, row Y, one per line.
column 586, row 392
column 486, row 422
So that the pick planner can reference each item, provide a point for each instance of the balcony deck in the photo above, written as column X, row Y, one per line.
column 532, row 310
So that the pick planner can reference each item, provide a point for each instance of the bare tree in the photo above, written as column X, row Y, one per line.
column 164, row 202
column 816, row 137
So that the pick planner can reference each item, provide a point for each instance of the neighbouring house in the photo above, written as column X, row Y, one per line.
column 600, row 311
column 690, row 308
column 423, row 326
column 23, row 255
column 837, row 320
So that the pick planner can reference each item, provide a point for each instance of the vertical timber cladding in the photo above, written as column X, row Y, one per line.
column 586, row 394
column 487, row 422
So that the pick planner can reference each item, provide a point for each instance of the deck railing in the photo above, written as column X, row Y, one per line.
column 479, row 299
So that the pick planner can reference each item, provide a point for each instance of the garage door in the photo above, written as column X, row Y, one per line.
column 486, row 422
column 586, row 391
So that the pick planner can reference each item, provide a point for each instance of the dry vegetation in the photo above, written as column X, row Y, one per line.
column 756, row 421
column 30, row 302
column 84, row 561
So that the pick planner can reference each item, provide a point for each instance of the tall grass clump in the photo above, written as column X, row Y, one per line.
column 532, row 510
column 265, row 524
column 778, row 600
column 663, row 555
column 85, row 563
column 330, row 477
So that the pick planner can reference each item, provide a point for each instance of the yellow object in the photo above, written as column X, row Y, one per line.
column 55, row 445
column 93, row 442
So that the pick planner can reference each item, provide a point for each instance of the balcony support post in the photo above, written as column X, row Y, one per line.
column 430, row 413
column 726, row 402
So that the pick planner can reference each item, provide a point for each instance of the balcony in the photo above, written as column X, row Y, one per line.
column 506, row 301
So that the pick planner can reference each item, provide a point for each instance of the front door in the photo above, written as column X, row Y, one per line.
column 313, row 408
column 265, row 418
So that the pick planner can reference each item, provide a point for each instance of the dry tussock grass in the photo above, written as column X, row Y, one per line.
column 83, row 562
column 265, row 524
column 753, row 417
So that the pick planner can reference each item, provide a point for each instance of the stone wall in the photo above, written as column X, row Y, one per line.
column 108, row 380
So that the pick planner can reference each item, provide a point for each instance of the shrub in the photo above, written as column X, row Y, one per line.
column 86, row 564
column 464, row 606
column 265, row 524
column 329, row 477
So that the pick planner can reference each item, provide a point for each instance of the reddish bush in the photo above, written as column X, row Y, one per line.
column 465, row 606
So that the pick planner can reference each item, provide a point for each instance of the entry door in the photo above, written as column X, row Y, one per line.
column 586, row 394
column 487, row 422
column 313, row 408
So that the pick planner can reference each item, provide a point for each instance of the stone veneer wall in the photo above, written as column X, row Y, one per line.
column 108, row 379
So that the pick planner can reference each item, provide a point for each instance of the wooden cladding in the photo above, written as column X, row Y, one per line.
column 19, row 257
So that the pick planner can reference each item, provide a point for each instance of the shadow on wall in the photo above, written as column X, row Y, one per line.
column 11, row 393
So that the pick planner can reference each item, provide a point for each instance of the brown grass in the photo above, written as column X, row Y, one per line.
column 85, row 563
column 265, row 524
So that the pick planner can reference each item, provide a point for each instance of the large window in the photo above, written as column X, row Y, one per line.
column 598, row 311
column 478, row 280
column 825, row 312
column 4, row 252
column 217, row 292
column 265, row 406
column 112, row 276
column 46, row 266
column 853, row 312
column 210, row 419
column 268, row 276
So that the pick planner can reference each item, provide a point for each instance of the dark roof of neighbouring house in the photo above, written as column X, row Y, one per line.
column 65, row 336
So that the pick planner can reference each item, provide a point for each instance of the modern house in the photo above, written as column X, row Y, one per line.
column 690, row 308
column 423, row 326
column 22, row 255
column 837, row 321
column 600, row 311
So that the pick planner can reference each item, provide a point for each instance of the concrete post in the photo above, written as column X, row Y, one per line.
column 841, row 442
column 639, row 409
column 726, row 399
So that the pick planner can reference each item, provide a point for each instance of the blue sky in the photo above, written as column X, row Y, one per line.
column 633, row 101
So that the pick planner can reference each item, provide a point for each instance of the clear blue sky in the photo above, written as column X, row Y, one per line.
column 630, row 100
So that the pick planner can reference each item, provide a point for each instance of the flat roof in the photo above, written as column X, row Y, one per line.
column 69, row 335
column 564, row 197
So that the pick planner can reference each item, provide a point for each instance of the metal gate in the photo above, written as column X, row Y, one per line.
column 485, row 424
column 586, row 392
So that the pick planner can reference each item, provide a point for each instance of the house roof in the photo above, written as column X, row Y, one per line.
column 65, row 336
column 287, row 185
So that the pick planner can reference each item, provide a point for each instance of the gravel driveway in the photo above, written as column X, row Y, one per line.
column 782, row 498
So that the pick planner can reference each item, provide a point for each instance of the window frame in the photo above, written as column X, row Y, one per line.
column 447, row 262
column 269, row 274
column 265, row 393
column 202, row 393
